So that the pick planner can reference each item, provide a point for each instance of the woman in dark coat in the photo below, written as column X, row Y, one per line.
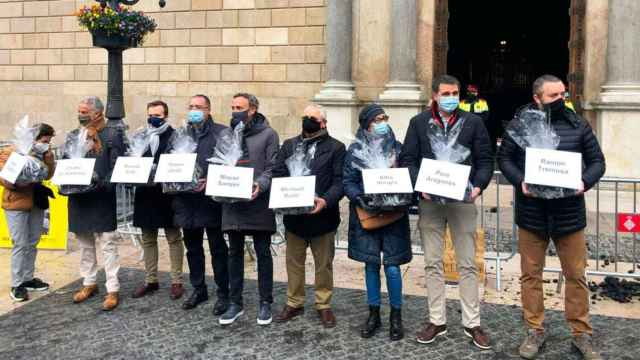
column 392, row 240
column 152, row 210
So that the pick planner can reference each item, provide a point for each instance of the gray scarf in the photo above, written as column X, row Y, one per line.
column 154, row 136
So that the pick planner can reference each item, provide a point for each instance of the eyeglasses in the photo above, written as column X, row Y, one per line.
column 198, row 107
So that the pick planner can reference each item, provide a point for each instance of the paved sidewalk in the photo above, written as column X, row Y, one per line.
column 52, row 327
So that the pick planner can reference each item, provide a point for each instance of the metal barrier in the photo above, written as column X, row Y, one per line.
column 494, row 233
column 125, row 198
column 499, row 239
column 612, row 184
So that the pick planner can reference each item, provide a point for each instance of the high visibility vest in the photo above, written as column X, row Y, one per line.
column 569, row 105
column 476, row 107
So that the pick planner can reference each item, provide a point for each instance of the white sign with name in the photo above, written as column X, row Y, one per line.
column 230, row 181
column 73, row 172
column 553, row 168
column 175, row 168
column 292, row 192
column 132, row 170
column 443, row 178
column 387, row 181
column 13, row 167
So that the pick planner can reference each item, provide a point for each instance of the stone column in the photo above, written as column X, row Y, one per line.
column 338, row 92
column 619, row 106
column 402, row 97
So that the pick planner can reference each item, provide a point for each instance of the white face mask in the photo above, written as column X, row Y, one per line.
column 40, row 148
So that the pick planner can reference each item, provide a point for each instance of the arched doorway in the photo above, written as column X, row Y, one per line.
column 502, row 46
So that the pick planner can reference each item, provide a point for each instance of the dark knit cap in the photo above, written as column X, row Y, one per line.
column 368, row 113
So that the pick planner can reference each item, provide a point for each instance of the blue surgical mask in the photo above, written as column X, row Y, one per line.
column 449, row 103
column 155, row 121
column 381, row 128
column 195, row 117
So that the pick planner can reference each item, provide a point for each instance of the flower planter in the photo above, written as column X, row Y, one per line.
column 113, row 41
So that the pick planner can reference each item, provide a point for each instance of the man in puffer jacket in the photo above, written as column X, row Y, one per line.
column 562, row 220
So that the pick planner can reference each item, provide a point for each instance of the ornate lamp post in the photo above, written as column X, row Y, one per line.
column 115, row 45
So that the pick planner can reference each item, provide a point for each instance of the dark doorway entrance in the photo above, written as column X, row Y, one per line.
column 502, row 46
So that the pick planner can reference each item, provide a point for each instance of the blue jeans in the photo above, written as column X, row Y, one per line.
column 394, row 284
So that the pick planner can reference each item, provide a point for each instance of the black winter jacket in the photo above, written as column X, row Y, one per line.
column 554, row 217
column 327, row 168
column 198, row 210
column 152, row 208
column 96, row 211
column 473, row 136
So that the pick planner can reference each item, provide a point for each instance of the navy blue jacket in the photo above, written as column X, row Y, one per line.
column 394, row 239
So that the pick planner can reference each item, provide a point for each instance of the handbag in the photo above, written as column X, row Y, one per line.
column 371, row 221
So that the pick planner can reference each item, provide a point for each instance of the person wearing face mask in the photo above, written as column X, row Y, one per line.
column 197, row 213
column 152, row 210
column 561, row 220
column 567, row 101
column 251, row 218
column 393, row 241
column 24, row 206
column 93, row 214
column 459, row 216
column 317, row 229
column 474, row 104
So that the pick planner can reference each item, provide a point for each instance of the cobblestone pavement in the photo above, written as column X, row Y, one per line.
column 155, row 327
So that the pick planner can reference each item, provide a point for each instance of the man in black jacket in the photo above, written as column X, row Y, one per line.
column 152, row 210
column 445, row 118
column 562, row 220
column 317, row 229
column 196, row 212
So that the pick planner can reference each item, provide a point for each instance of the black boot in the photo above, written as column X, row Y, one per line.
column 373, row 323
column 396, row 332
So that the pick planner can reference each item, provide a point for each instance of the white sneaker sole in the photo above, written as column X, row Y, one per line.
column 37, row 289
column 265, row 322
column 434, row 338
column 17, row 299
column 230, row 321
column 475, row 343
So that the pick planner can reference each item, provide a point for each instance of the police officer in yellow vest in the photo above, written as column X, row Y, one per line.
column 473, row 104
column 567, row 102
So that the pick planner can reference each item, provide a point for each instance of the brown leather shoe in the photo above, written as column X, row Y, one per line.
column 85, row 293
column 327, row 318
column 288, row 313
column 177, row 290
column 480, row 338
column 110, row 301
column 430, row 332
column 145, row 289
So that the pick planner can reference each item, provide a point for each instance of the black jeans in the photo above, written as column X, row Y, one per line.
column 262, row 246
column 219, row 259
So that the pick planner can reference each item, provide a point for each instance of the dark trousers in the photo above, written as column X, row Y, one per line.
column 262, row 246
column 219, row 259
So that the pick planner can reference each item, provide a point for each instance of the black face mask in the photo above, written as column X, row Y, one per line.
column 155, row 121
column 310, row 125
column 238, row 117
column 555, row 107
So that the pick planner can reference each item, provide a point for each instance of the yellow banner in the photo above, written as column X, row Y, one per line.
column 56, row 217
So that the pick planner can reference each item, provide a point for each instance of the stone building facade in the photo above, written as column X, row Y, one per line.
column 340, row 53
